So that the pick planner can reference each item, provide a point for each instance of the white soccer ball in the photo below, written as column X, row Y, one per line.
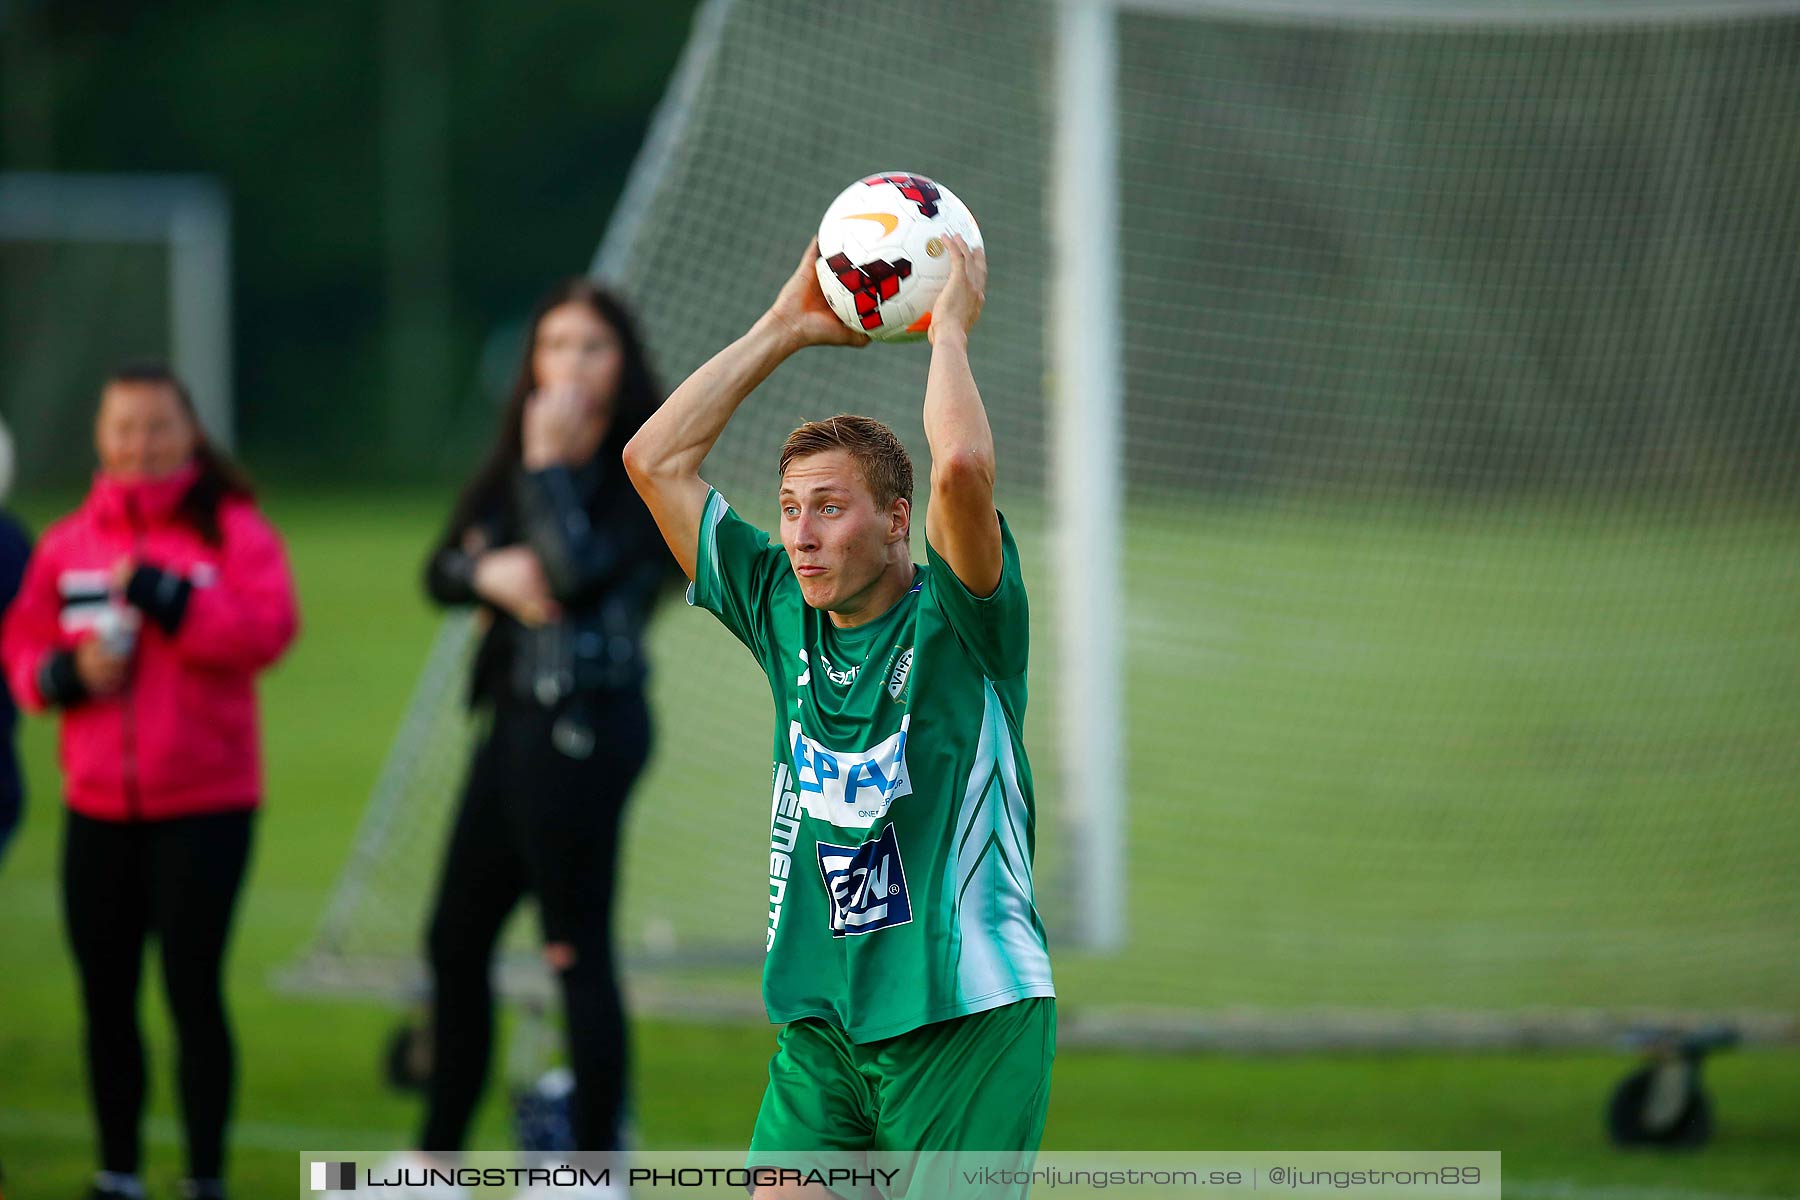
column 882, row 259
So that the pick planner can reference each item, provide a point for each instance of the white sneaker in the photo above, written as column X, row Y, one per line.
column 414, row 1169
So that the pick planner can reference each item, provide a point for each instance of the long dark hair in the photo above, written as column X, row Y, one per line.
column 219, row 476
column 637, row 398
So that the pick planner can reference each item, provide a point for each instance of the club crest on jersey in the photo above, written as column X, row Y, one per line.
column 850, row 789
column 897, row 678
column 866, row 884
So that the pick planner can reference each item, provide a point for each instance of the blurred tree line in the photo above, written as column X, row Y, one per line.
column 405, row 175
column 1445, row 257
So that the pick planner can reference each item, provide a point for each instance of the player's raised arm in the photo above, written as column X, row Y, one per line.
column 961, row 522
column 664, row 458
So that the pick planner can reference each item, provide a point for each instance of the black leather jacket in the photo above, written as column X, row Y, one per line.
column 606, row 565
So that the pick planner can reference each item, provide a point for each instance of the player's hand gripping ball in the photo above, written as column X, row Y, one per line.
column 882, row 254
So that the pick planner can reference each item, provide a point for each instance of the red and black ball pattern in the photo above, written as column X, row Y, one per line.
column 917, row 188
column 869, row 284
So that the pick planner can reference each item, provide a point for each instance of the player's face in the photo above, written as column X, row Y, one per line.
column 576, row 348
column 143, row 431
column 839, row 542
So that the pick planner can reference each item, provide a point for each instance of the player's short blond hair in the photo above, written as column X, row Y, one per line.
column 886, row 467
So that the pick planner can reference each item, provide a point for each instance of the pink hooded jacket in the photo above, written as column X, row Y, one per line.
column 181, row 738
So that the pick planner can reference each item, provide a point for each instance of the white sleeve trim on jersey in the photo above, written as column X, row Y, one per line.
column 999, row 950
column 716, row 508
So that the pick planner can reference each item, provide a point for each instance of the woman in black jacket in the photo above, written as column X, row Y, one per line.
column 552, row 541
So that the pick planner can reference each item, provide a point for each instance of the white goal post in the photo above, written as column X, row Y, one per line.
column 188, row 214
column 1084, row 353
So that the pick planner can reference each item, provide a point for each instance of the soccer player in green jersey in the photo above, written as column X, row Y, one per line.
column 905, row 958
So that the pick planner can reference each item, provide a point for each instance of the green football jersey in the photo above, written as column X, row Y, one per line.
column 901, row 823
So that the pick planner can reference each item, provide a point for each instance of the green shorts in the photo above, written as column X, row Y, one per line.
column 974, row 1083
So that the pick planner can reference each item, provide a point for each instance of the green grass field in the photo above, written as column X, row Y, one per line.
column 309, row 1077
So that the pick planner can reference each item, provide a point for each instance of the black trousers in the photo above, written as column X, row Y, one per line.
column 537, row 815
column 178, row 879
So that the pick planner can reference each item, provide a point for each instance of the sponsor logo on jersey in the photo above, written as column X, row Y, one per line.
column 867, row 885
column 841, row 678
column 846, row 788
column 902, row 668
column 784, row 834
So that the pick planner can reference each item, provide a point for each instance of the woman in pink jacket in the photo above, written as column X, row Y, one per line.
column 144, row 617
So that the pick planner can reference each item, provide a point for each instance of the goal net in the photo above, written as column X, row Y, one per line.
column 1460, row 421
